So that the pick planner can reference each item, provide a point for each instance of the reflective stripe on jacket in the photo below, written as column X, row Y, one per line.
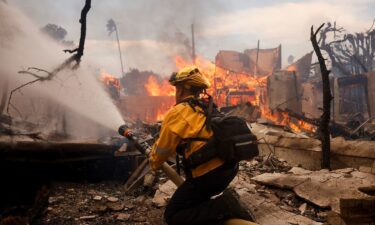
column 182, row 122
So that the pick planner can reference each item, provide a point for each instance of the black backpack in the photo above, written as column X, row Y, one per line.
column 232, row 140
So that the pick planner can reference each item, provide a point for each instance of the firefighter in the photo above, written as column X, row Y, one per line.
column 191, row 204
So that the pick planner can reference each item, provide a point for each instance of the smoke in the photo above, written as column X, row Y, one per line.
column 73, row 100
column 153, row 32
column 169, row 21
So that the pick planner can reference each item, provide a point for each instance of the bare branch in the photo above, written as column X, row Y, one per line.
column 70, row 51
column 39, row 70
column 317, row 31
column 32, row 74
column 16, row 89
column 350, row 53
column 66, row 64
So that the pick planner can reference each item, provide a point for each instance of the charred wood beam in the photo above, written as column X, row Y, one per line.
column 324, row 131
column 335, row 128
column 311, row 121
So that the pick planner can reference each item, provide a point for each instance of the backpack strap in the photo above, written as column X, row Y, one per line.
column 207, row 111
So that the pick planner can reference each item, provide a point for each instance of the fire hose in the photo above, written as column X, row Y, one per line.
column 165, row 167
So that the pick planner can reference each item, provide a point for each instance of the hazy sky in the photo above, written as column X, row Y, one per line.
column 152, row 32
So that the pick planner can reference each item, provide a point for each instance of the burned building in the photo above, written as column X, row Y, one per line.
column 260, row 62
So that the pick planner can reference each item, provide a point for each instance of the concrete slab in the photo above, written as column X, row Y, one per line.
column 322, row 188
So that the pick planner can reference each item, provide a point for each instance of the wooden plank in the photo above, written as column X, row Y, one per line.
column 136, row 174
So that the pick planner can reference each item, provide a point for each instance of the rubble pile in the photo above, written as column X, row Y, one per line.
column 274, row 191
column 321, row 195
column 264, row 164
column 98, row 203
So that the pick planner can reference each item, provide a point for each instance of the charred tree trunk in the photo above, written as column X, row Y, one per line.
column 324, row 131
column 119, row 52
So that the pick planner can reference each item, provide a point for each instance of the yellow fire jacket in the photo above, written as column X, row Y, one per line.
column 182, row 122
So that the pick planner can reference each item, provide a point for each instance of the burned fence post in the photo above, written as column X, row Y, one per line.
column 324, row 131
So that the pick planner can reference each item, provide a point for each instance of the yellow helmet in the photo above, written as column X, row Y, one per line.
column 190, row 76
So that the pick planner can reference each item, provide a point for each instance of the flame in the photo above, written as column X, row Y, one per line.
column 156, row 88
column 225, row 81
column 292, row 68
column 229, row 88
column 109, row 80
column 161, row 114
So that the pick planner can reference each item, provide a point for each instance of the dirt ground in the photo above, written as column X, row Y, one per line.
column 106, row 203
column 98, row 203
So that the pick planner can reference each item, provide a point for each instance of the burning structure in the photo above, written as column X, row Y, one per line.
column 236, row 78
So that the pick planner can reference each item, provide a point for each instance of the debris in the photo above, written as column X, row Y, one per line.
column 247, row 111
column 133, row 178
column 123, row 216
column 97, row 198
column 334, row 219
column 365, row 169
column 112, row 199
column 115, row 206
column 267, row 212
column 149, row 180
column 52, row 200
column 300, row 171
column 280, row 180
column 99, row 208
column 140, row 218
column 298, row 149
column 303, row 208
column 88, row 217
column 164, row 193
column 322, row 215
column 128, row 206
column 319, row 187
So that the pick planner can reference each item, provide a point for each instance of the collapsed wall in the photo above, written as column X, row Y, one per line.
column 304, row 151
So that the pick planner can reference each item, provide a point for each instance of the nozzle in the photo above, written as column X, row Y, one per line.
column 122, row 129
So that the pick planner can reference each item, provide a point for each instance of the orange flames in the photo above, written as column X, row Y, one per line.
column 229, row 88
column 156, row 88
column 291, row 68
column 109, row 80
